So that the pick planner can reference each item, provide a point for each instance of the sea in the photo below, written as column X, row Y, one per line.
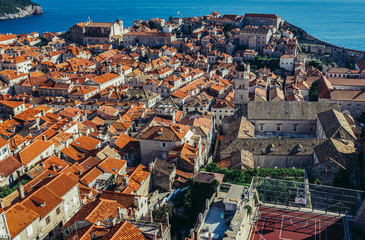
column 341, row 22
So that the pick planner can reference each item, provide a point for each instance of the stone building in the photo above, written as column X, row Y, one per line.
column 241, row 85
column 96, row 32
column 255, row 19
column 331, row 156
column 163, row 174
column 271, row 153
column 287, row 62
column 77, row 32
column 255, row 38
column 158, row 141
column 333, row 124
column 293, row 119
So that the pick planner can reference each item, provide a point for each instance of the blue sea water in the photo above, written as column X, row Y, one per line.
column 341, row 22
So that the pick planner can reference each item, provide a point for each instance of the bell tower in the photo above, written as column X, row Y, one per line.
column 241, row 85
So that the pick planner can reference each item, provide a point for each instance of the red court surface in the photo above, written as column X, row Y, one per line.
column 278, row 224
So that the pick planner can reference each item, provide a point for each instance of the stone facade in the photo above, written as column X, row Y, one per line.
column 262, row 20
column 241, row 85
column 255, row 38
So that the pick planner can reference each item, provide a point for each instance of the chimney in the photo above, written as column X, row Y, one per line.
column 136, row 201
column 21, row 191
column 125, row 181
column 134, row 214
column 44, row 138
column 53, row 167
column 43, row 113
column 161, row 227
column 119, row 213
column 79, row 172
column 151, row 217
column 150, row 166
column 196, row 235
column 167, row 219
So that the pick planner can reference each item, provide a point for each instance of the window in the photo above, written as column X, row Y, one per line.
column 262, row 127
column 5, row 150
column 261, row 162
column 291, row 162
column 271, row 161
column 74, row 200
column 295, row 128
column 48, row 220
column 163, row 145
column 312, row 128
column 58, row 211
column 278, row 127
column 281, row 161
column 164, row 155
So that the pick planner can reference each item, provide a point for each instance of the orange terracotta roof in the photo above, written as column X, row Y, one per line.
column 85, row 143
column 123, row 140
column 11, row 104
column 91, row 176
column 42, row 201
column 124, row 199
column 112, row 165
column 29, row 114
column 105, row 209
column 18, row 217
column 126, row 231
column 61, row 184
column 33, row 150
column 105, row 78
column 72, row 153
column 140, row 174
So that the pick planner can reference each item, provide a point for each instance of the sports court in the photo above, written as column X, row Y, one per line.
column 279, row 224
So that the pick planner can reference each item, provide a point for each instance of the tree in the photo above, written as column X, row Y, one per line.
column 362, row 117
column 249, row 209
column 318, row 182
column 236, row 176
column 171, row 18
column 153, row 25
column 316, row 64
column 343, row 179
column 177, row 32
column 190, row 29
column 160, row 213
column 314, row 91
column 228, row 27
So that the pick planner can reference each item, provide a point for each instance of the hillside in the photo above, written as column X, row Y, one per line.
column 10, row 9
